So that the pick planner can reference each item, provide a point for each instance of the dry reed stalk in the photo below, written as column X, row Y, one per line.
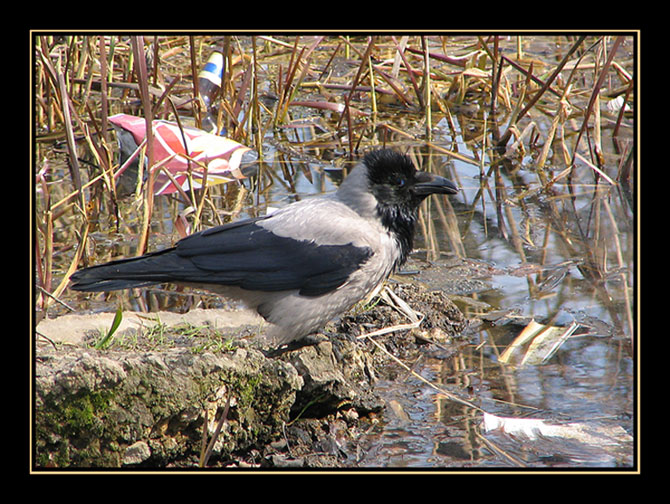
column 256, row 129
column 239, row 132
column 595, row 93
column 496, row 69
column 75, row 169
column 528, row 73
column 285, row 89
column 499, row 191
column 533, row 100
column 622, row 266
column 104, row 107
column 450, row 223
column 394, row 85
column 516, row 238
column 559, row 116
column 427, row 90
column 410, row 71
column 197, row 103
column 622, row 110
column 44, row 257
column 346, row 112
column 80, row 249
column 223, row 121
column 460, row 61
column 141, row 73
column 483, row 179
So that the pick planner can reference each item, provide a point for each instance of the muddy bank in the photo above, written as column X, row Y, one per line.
column 149, row 399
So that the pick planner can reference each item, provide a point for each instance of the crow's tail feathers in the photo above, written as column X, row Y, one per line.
column 150, row 269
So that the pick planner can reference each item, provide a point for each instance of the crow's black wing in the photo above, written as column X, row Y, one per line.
column 249, row 256
column 241, row 254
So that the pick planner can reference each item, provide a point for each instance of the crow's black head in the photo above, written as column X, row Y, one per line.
column 399, row 190
column 391, row 176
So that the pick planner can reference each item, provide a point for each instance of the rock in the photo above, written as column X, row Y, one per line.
column 337, row 373
column 143, row 402
column 73, row 327
column 136, row 453
column 282, row 460
column 93, row 407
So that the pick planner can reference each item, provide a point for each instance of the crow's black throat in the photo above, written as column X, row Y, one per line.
column 400, row 221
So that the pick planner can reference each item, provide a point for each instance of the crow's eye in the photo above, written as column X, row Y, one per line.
column 400, row 182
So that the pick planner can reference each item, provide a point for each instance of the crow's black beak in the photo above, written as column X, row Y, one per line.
column 427, row 183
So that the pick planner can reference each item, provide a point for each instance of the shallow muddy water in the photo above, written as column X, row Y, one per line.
column 518, row 242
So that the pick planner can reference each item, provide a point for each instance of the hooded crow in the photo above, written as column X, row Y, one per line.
column 302, row 265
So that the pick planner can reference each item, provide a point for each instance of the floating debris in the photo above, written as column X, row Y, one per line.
column 190, row 155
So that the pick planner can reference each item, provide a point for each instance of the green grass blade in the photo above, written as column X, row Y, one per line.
column 104, row 342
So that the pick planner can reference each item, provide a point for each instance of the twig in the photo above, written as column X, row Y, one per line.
column 208, row 452
column 72, row 149
column 386, row 330
column 141, row 72
column 495, row 448
column 446, row 394
column 410, row 71
column 62, row 303
column 426, row 89
column 594, row 168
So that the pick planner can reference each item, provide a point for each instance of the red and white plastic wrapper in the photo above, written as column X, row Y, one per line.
column 220, row 157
